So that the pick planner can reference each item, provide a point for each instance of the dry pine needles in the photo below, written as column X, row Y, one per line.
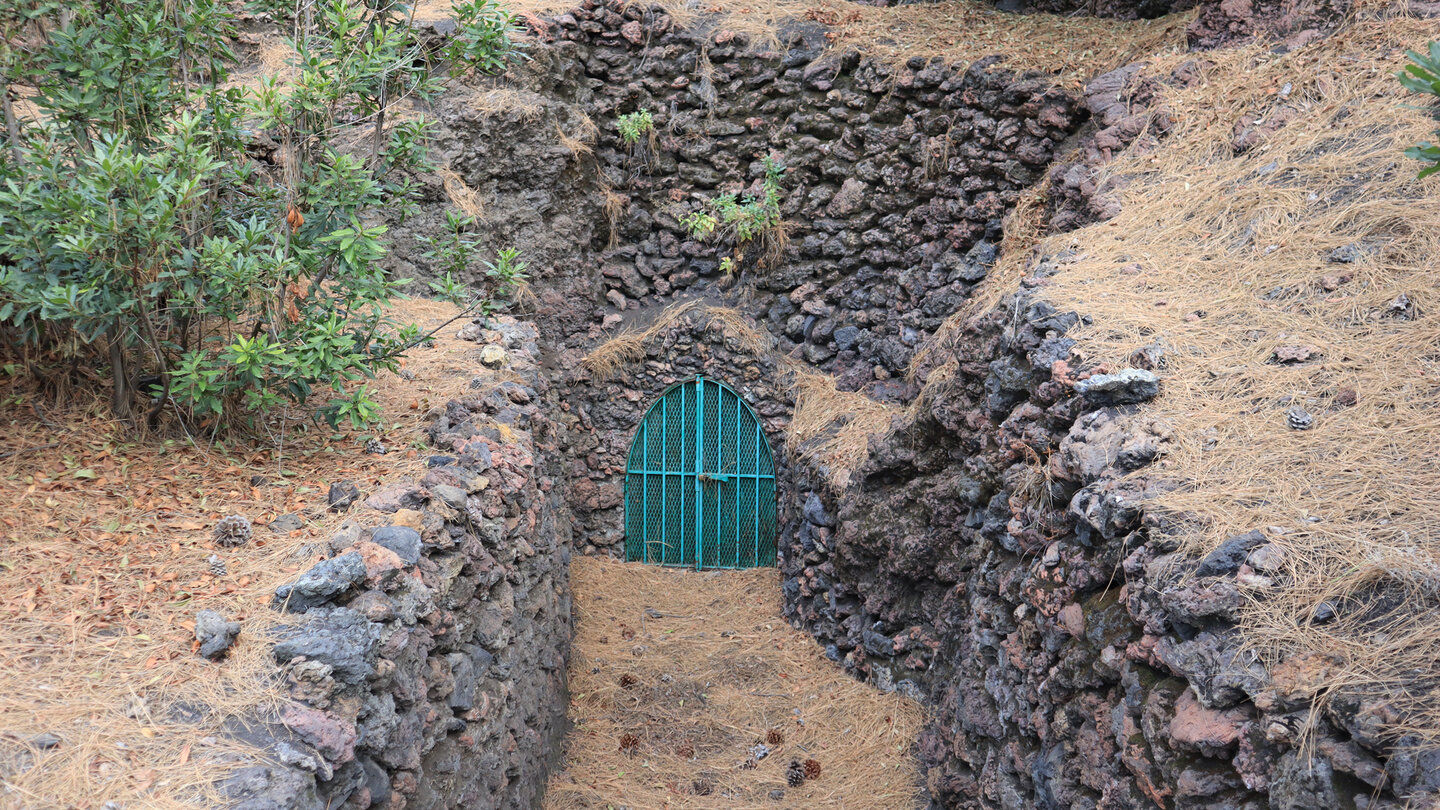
column 714, row 674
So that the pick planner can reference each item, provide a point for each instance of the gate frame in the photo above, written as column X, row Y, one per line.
column 699, row 476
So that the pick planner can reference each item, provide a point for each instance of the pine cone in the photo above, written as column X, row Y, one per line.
column 1299, row 419
column 232, row 531
column 629, row 743
column 795, row 774
column 627, row 680
column 812, row 769
column 775, row 737
column 685, row 751
column 217, row 565
column 375, row 447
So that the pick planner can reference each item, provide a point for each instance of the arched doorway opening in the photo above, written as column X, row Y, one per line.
column 700, row 482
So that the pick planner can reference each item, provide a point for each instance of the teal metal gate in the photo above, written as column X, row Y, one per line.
column 700, row 482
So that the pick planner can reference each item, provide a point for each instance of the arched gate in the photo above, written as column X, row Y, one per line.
column 700, row 482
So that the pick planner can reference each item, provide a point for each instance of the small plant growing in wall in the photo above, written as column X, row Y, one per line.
column 635, row 127
column 699, row 224
column 452, row 254
column 746, row 221
column 637, row 132
column 1423, row 76
column 449, row 254
column 507, row 272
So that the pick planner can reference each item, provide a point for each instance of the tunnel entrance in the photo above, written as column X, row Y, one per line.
column 700, row 482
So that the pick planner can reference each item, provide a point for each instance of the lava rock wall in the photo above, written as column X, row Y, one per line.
column 424, row 663
column 994, row 557
column 896, row 179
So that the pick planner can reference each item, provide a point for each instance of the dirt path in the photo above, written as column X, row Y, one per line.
column 677, row 676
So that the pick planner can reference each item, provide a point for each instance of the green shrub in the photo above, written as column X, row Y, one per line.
column 140, row 236
column 699, row 224
column 452, row 257
column 483, row 39
column 635, row 127
column 1423, row 76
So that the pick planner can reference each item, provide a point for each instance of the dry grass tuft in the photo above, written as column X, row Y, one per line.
column 613, row 207
column 831, row 428
column 1224, row 257
column 581, row 143
column 1073, row 47
column 628, row 347
column 465, row 199
column 523, row 105
column 106, row 543
column 713, row 675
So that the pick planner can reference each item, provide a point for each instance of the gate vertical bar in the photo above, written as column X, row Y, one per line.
column 738, row 422
column 645, row 490
column 758, row 438
column 684, row 425
column 664, row 467
column 699, row 512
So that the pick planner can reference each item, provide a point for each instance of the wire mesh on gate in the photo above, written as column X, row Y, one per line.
column 700, row 482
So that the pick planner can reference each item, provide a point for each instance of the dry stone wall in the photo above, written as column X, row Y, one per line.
column 423, row 663
column 994, row 557
column 896, row 181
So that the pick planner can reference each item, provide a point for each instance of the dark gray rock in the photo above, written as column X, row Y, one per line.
column 286, row 523
column 402, row 540
column 878, row 644
column 815, row 512
column 1219, row 672
column 325, row 581
column 46, row 740
column 846, row 337
column 1303, row 783
column 1229, row 555
column 267, row 787
column 1347, row 254
column 342, row 495
column 214, row 634
column 1126, row 386
column 340, row 638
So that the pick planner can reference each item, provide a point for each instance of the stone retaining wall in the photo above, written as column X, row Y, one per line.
column 896, row 178
column 606, row 409
column 994, row 557
column 424, row 662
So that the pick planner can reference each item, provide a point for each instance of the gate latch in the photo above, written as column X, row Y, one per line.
column 710, row 478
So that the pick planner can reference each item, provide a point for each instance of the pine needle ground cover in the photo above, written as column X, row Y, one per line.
column 689, row 690
column 103, row 696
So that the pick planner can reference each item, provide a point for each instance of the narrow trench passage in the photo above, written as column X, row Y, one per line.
column 688, row 689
